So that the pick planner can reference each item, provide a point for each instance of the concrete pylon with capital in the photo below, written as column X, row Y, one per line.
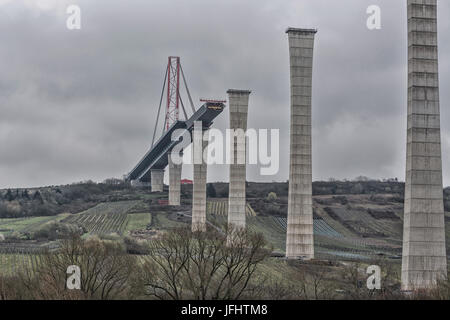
column 174, row 182
column 424, row 255
column 200, row 178
column 300, row 238
column 238, row 104
column 157, row 180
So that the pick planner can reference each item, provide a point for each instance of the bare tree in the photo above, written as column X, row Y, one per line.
column 202, row 265
column 313, row 283
column 280, row 289
column 440, row 292
column 10, row 288
column 105, row 271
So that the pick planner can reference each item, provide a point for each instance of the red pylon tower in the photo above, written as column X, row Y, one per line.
column 173, row 91
column 174, row 100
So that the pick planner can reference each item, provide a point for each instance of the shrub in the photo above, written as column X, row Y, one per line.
column 11, row 288
column 56, row 230
column 272, row 196
column 134, row 246
column 113, row 236
column 14, row 236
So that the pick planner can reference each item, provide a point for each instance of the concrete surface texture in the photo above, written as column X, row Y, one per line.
column 300, row 238
column 424, row 255
column 199, row 187
column 174, row 182
column 238, row 104
column 157, row 180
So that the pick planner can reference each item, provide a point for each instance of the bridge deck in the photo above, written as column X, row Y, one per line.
column 157, row 157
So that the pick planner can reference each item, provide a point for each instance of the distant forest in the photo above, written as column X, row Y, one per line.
column 53, row 200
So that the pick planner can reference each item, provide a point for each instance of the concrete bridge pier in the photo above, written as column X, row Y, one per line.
column 300, row 238
column 424, row 253
column 199, row 187
column 238, row 103
column 174, row 182
column 157, row 176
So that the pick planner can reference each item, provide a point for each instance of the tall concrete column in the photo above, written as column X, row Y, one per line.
column 157, row 176
column 174, row 182
column 424, row 255
column 238, row 101
column 199, row 187
column 300, row 238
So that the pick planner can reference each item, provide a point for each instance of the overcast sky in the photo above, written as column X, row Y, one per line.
column 78, row 105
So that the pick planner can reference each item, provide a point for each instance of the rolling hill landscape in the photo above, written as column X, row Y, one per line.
column 353, row 221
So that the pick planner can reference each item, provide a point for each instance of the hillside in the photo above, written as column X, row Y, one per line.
column 352, row 220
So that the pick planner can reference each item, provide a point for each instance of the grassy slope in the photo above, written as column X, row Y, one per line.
column 138, row 221
column 8, row 226
column 161, row 221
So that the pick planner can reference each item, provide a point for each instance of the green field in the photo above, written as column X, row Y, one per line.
column 138, row 221
column 160, row 220
column 105, row 218
column 24, row 225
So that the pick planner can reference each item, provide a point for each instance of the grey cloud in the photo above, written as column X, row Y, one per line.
column 81, row 104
